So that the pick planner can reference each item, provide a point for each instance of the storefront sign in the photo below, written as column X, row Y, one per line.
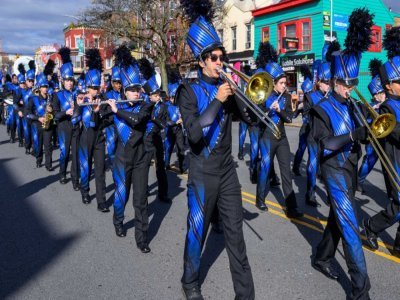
column 297, row 60
column 326, row 20
column 290, row 44
column 340, row 22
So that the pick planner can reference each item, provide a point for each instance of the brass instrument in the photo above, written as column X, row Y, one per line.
column 382, row 126
column 105, row 102
column 48, row 116
column 259, row 87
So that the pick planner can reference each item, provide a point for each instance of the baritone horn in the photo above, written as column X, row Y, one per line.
column 259, row 87
column 381, row 126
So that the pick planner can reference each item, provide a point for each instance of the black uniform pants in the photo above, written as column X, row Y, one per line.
column 175, row 136
column 43, row 141
column 206, row 192
column 160, row 165
column 269, row 147
column 92, row 147
column 68, row 139
column 343, row 224
column 130, row 169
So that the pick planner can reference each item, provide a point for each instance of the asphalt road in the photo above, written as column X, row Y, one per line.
column 54, row 247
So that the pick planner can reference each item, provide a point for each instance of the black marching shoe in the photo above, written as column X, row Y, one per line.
column 27, row 151
column 164, row 199
column 296, row 171
column 120, row 231
column 240, row 156
column 63, row 179
column 293, row 213
column 274, row 182
column 253, row 176
column 49, row 169
column 76, row 186
column 38, row 164
column 261, row 205
column 20, row 145
column 12, row 141
column 312, row 202
column 144, row 248
column 371, row 237
column 360, row 188
column 193, row 293
column 102, row 207
column 85, row 198
column 396, row 246
column 327, row 270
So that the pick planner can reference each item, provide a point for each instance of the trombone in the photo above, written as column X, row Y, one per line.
column 259, row 87
column 381, row 126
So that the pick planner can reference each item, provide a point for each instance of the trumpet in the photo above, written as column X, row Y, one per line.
column 106, row 101
column 382, row 125
column 259, row 87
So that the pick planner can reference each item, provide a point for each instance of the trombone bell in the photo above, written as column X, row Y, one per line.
column 383, row 125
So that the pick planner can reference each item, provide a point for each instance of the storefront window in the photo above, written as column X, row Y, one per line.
column 300, row 29
column 265, row 34
column 376, row 38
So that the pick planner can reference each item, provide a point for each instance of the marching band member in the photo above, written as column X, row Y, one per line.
column 279, row 109
column 174, row 131
column 26, row 94
column 92, row 140
column 17, row 126
column 207, row 106
column 378, row 93
column 335, row 130
column 130, row 168
column 152, row 138
column 39, row 111
column 67, row 127
column 390, row 75
column 322, row 80
column 113, row 92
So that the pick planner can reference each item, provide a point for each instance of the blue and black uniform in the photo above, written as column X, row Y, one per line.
column 334, row 130
column 91, row 147
column 391, row 214
column 213, row 182
column 110, row 131
column 311, row 100
column 271, row 146
column 369, row 160
column 17, row 125
column 68, row 134
column 174, row 136
column 41, row 137
column 242, row 137
column 154, row 146
column 130, row 168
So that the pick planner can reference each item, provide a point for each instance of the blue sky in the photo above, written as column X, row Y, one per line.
column 28, row 24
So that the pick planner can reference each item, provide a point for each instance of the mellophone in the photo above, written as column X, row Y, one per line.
column 106, row 102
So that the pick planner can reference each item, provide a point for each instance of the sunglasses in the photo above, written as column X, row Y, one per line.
column 214, row 57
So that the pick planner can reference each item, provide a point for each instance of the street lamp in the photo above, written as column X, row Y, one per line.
column 83, row 39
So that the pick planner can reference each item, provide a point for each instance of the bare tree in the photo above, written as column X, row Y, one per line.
column 154, row 28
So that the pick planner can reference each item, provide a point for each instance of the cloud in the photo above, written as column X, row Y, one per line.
column 28, row 24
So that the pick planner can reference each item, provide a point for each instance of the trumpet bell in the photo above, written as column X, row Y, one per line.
column 383, row 125
column 259, row 87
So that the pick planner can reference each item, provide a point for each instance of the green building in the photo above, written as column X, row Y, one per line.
column 299, row 28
